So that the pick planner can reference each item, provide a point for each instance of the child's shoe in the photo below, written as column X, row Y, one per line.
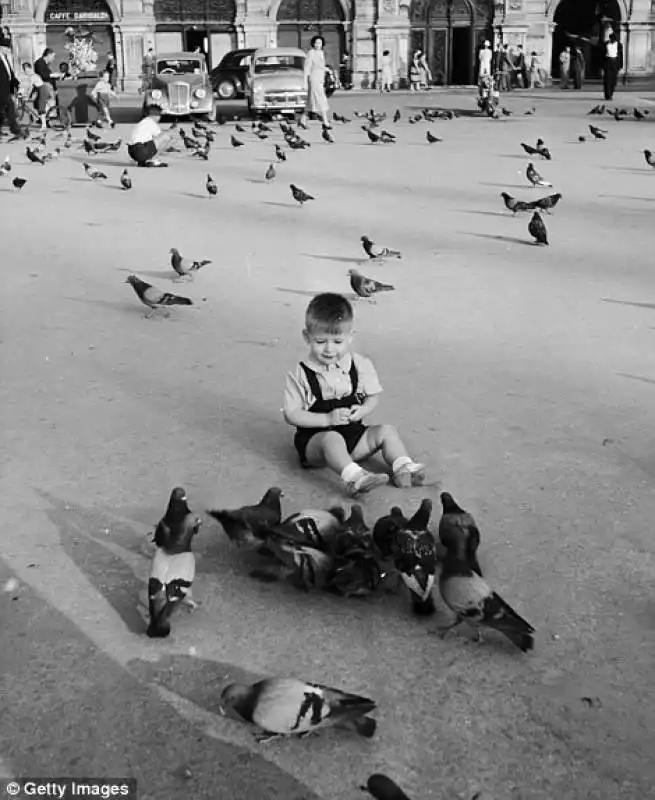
column 364, row 482
column 411, row 474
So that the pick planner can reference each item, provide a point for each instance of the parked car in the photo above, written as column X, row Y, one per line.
column 276, row 81
column 229, row 78
column 180, row 85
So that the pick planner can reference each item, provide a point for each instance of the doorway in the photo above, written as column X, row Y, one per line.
column 461, row 58
column 196, row 38
column 583, row 23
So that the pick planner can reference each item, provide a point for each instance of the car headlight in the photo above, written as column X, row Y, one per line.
column 156, row 94
column 200, row 93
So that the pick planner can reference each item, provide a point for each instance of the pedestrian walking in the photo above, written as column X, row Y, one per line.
column 535, row 71
column 564, row 67
column 148, row 68
column 112, row 70
column 520, row 68
column 102, row 94
column 612, row 64
column 506, row 69
column 415, row 72
column 578, row 67
column 9, row 85
column 317, row 102
column 484, row 59
column 386, row 73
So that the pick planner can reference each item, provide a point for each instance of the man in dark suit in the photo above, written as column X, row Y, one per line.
column 612, row 65
column 8, row 86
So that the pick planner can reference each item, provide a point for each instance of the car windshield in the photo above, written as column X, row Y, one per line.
column 278, row 63
column 183, row 66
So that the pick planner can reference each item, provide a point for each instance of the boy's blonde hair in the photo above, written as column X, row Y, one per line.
column 329, row 313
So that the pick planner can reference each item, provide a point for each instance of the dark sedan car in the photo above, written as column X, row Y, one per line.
column 229, row 77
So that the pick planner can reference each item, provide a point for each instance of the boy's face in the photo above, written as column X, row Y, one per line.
column 105, row 76
column 328, row 348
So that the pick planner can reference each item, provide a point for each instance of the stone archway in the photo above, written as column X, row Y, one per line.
column 448, row 32
column 585, row 24
column 299, row 20
column 88, row 23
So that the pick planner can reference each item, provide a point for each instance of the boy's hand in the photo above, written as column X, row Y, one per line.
column 356, row 413
column 340, row 416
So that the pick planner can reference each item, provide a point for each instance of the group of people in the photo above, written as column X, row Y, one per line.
column 513, row 69
column 571, row 67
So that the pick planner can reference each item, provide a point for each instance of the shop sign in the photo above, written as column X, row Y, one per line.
column 77, row 16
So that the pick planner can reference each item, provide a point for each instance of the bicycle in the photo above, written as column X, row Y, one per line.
column 26, row 114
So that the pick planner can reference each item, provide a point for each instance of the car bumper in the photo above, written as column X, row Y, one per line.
column 280, row 101
column 177, row 109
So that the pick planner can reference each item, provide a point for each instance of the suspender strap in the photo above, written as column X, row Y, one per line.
column 312, row 380
column 354, row 376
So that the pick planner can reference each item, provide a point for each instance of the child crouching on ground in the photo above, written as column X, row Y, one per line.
column 102, row 94
column 147, row 140
column 328, row 396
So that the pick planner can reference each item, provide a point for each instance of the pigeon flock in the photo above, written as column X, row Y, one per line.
column 435, row 564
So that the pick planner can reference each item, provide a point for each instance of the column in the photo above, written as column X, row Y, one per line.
column 636, row 37
column 392, row 34
column 364, row 44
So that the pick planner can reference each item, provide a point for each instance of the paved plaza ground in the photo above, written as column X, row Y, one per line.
column 523, row 375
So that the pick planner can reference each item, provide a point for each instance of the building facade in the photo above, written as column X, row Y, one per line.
column 450, row 32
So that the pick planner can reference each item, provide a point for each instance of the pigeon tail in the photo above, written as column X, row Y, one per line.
column 423, row 608
column 366, row 726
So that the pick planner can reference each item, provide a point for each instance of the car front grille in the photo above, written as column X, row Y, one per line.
column 283, row 99
column 178, row 96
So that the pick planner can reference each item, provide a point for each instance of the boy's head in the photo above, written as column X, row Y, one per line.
column 104, row 75
column 328, row 327
column 28, row 69
column 154, row 111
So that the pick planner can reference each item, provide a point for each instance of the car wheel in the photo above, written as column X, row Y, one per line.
column 226, row 90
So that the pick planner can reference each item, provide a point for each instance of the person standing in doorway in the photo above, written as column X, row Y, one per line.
column 506, row 69
column 112, row 71
column 535, row 71
column 521, row 68
column 426, row 75
column 612, row 64
column 578, row 67
column 317, row 102
column 564, row 68
column 386, row 74
column 148, row 68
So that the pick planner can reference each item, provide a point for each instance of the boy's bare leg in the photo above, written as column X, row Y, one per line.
column 328, row 448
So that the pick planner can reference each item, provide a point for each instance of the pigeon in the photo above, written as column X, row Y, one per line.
column 617, row 115
column 261, row 135
column 397, row 116
column 93, row 136
column 529, row 149
column 173, row 566
column 108, row 147
column 249, row 524
column 582, row 138
column 387, row 134
column 383, row 788
column 279, row 153
column 52, row 156
column 89, row 148
column 126, row 181
column 387, row 138
column 385, row 530
column 265, row 128
column 236, row 142
column 597, row 132
column 184, row 266
column 153, row 298
column 374, row 251
column 636, row 113
column 210, row 186
column 299, row 195
column 546, row 203
column 5, row 167
column 458, row 526
column 597, row 109
column 326, row 136
column 415, row 557
column 473, row 600
column 288, row 707
column 514, row 205
column 270, row 173
column 240, row 128
column 34, row 157
column 432, row 139
column 338, row 118
column 372, row 137
column 94, row 174
column 367, row 287
column 68, row 141
column 530, row 111
column 18, row 183
column 650, row 158
column 537, row 229
column 506, row 112
column 202, row 152
column 534, row 177
column 543, row 151
column 220, row 119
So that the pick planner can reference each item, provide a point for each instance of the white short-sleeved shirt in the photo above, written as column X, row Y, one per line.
column 145, row 131
column 334, row 380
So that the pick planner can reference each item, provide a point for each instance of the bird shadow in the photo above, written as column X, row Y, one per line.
column 343, row 259
column 154, row 273
column 634, row 170
column 122, row 307
column 512, row 155
column 272, row 203
column 636, row 377
column 485, row 213
column 303, row 292
column 499, row 238
column 504, row 185
column 625, row 197
column 195, row 195
column 255, row 180
column 628, row 303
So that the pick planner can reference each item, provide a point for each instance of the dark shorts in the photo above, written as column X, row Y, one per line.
column 351, row 434
column 142, row 152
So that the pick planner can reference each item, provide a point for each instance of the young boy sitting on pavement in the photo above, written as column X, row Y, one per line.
column 329, row 394
column 147, row 139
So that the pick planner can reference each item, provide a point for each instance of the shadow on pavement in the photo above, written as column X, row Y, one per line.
column 628, row 303
column 76, row 712
column 499, row 238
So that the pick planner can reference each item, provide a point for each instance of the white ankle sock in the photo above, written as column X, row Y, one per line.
column 400, row 462
column 351, row 472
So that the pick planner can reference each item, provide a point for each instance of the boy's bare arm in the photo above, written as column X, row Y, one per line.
column 359, row 412
column 300, row 418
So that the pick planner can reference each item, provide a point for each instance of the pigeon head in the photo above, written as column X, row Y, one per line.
column 449, row 505
column 174, row 251
column 366, row 240
column 131, row 279
column 338, row 512
column 237, row 697
column 177, row 505
column 356, row 520
column 354, row 272
column 272, row 497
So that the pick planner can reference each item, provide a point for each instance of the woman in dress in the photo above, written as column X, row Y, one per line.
column 315, row 76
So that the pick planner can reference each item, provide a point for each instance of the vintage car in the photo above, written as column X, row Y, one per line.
column 180, row 85
column 229, row 78
column 276, row 81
